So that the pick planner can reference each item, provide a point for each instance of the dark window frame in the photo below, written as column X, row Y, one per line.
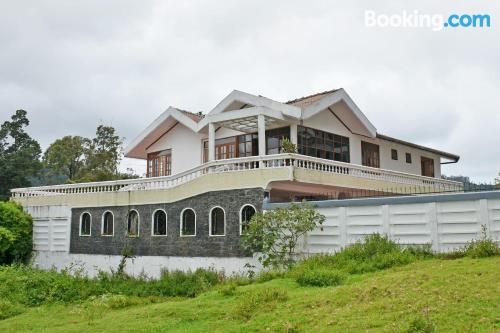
column 183, row 220
column 394, row 154
column 244, row 216
column 216, row 225
column 85, row 231
column 108, row 224
column 322, row 144
column 155, row 228
column 408, row 158
column 370, row 154
column 130, row 223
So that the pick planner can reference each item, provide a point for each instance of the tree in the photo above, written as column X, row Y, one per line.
column 102, row 156
column 15, row 233
column 19, row 154
column 66, row 156
column 288, row 146
column 497, row 181
column 274, row 235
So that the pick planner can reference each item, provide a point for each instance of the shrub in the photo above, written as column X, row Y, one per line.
column 421, row 325
column 8, row 309
column 16, row 229
column 274, row 235
column 321, row 277
column 483, row 247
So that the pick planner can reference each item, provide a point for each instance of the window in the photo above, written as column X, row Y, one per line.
column 370, row 155
column 224, row 148
column 394, row 154
column 159, row 223
column 408, row 158
column 246, row 214
column 274, row 138
column 316, row 143
column 133, row 224
column 217, row 222
column 248, row 145
column 160, row 163
column 107, row 224
column 85, row 224
column 427, row 165
column 188, row 222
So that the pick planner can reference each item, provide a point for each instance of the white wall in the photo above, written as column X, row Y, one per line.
column 327, row 122
column 51, row 227
column 186, row 148
column 149, row 265
column 447, row 225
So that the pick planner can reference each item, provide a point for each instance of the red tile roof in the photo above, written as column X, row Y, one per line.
column 306, row 100
column 194, row 116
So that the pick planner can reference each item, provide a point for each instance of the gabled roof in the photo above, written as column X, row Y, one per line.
column 306, row 100
column 164, row 123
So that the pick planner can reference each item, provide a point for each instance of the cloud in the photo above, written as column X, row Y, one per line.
column 73, row 65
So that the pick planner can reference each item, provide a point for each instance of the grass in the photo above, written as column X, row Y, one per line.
column 460, row 295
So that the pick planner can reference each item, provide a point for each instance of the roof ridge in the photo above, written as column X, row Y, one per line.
column 313, row 95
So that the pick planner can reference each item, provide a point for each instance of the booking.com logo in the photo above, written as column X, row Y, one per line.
column 435, row 22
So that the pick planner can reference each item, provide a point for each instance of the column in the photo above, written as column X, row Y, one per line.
column 293, row 133
column 261, row 128
column 211, row 142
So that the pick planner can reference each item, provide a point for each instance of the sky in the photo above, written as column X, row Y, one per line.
column 75, row 64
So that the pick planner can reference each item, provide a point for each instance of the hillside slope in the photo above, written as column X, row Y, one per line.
column 453, row 295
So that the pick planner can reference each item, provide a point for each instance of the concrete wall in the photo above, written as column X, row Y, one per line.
column 447, row 222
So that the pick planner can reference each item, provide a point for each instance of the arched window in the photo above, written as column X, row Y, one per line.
column 188, row 222
column 217, row 222
column 133, row 224
column 85, row 224
column 107, row 224
column 159, row 223
column 246, row 214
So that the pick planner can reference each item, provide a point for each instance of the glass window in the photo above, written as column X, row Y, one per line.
column 370, row 155
column 316, row 143
column 274, row 138
column 159, row 163
column 107, row 224
column 133, row 224
column 408, row 158
column 246, row 215
column 394, row 154
column 85, row 224
column 159, row 223
column 217, row 222
column 188, row 222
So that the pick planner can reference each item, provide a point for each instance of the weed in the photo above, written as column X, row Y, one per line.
column 321, row 277
column 254, row 300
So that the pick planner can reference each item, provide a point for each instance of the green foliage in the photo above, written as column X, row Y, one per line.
column 483, row 247
column 9, row 309
column 251, row 301
column 274, row 235
column 321, row 277
column 31, row 287
column 421, row 324
column 19, row 154
column 375, row 252
column 66, row 156
column 16, row 229
column 288, row 147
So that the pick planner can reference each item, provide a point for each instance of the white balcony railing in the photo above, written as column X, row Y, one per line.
column 241, row 164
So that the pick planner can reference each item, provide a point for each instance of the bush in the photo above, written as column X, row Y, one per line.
column 374, row 253
column 8, row 309
column 16, row 228
column 321, row 277
column 421, row 325
column 483, row 247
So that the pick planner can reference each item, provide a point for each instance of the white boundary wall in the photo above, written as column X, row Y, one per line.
column 446, row 221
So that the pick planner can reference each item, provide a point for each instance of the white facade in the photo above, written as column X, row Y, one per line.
column 237, row 114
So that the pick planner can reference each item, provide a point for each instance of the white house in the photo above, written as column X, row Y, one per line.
column 207, row 174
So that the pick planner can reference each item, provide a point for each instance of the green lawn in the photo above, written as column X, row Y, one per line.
column 455, row 295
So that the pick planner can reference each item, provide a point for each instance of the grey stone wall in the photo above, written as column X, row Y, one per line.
column 201, row 245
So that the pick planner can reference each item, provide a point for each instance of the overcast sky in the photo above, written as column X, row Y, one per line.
column 74, row 64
